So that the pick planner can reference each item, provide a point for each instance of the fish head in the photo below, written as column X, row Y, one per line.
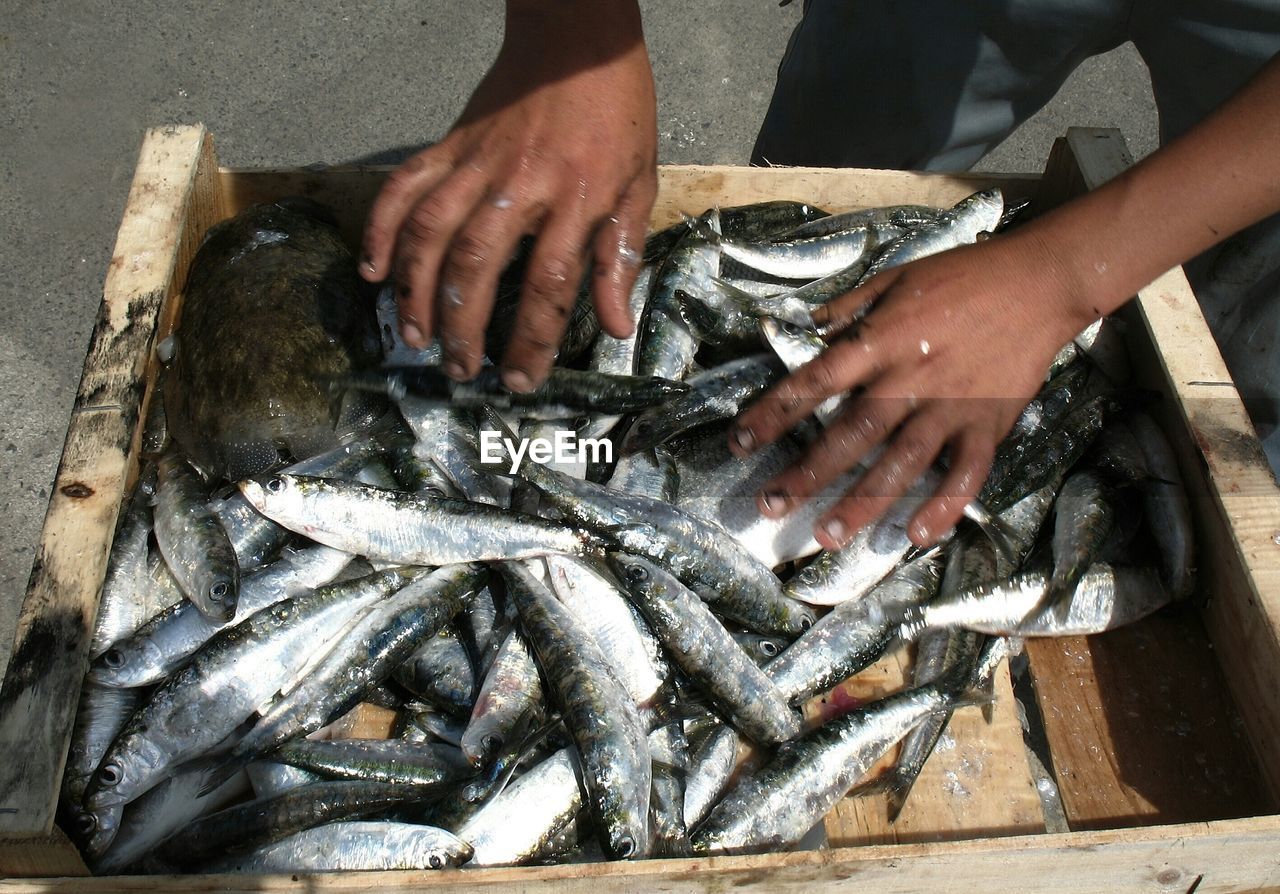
column 278, row 494
column 982, row 210
column 449, row 851
column 632, row 570
column 97, row 829
column 794, row 345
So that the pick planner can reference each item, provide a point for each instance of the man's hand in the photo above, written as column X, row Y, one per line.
column 958, row 342
column 952, row 351
column 559, row 140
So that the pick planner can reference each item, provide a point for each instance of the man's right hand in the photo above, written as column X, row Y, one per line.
column 560, row 141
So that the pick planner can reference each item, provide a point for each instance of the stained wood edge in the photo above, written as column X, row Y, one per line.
column 1225, row 856
column 1242, row 612
column 172, row 198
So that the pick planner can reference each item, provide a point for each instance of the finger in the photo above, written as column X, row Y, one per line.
column 909, row 456
column 550, row 290
column 618, row 249
column 426, row 235
column 841, row 367
column 971, row 455
column 402, row 190
column 836, row 316
column 867, row 421
column 469, row 277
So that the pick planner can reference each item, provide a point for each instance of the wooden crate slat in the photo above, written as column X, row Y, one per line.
column 163, row 219
column 977, row 784
column 1211, row 858
column 1138, row 728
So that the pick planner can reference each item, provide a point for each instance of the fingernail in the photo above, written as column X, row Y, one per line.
column 367, row 263
column 517, row 380
column 453, row 369
column 412, row 335
column 920, row 534
column 452, row 295
column 773, row 502
column 835, row 530
column 744, row 439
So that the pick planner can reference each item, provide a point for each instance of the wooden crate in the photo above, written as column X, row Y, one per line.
column 1163, row 736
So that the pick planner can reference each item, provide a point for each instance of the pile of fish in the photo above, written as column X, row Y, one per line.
column 600, row 654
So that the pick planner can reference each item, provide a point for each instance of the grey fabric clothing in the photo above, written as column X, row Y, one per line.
column 935, row 84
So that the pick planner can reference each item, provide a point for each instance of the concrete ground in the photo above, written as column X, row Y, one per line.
column 282, row 84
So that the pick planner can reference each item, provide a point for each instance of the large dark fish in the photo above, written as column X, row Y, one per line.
column 270, row 315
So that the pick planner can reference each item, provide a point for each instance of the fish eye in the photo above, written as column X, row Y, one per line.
column 275, row 485
column 790, row 328
column 625, row 847
column 113, row 658
column 219, row 591
column 491, row 743
column 806, row 621
column 769, row 648
column 111, row 774
column 436, row 861
column 86, row 824
column 637, row 574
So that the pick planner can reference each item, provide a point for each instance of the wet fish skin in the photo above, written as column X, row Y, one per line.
column 1167, row 510
column 170, row 806
column 599, row 714
column 393, row 761
column 1083, row 521
column 521, row 822
column 717, row 395
column 510, row 692
column 599, row 601
column 441, row 673
column 904, row 217
column 129, row 598
column 405, row 528
column 233, row 675
column 854, row 634
column 193, row 542
column 1106, row 597
column 711, row 767
column 960, row 225
column 354, row 847
column 101, row 714
column 570, row 389
column 264, row 821
column 372, row 646
column 665, row 345
column 162, row 645
column 773, row 808
column 707, row 652
column 937, row 653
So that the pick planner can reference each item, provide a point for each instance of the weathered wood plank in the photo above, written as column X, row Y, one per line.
column 1209, row 858
column 169, row 206
column 1140, row 730
column 44, row 856
column 976, row 784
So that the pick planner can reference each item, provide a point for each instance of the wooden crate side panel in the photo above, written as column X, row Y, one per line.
column 1233, row 492
column 682, row 189
column 1139, row 730
column 1209, row 858
column 168, row 207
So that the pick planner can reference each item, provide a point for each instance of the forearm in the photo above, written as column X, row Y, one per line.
column 1217, row 179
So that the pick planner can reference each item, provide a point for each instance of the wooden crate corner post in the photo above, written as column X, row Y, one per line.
column 175, row 196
